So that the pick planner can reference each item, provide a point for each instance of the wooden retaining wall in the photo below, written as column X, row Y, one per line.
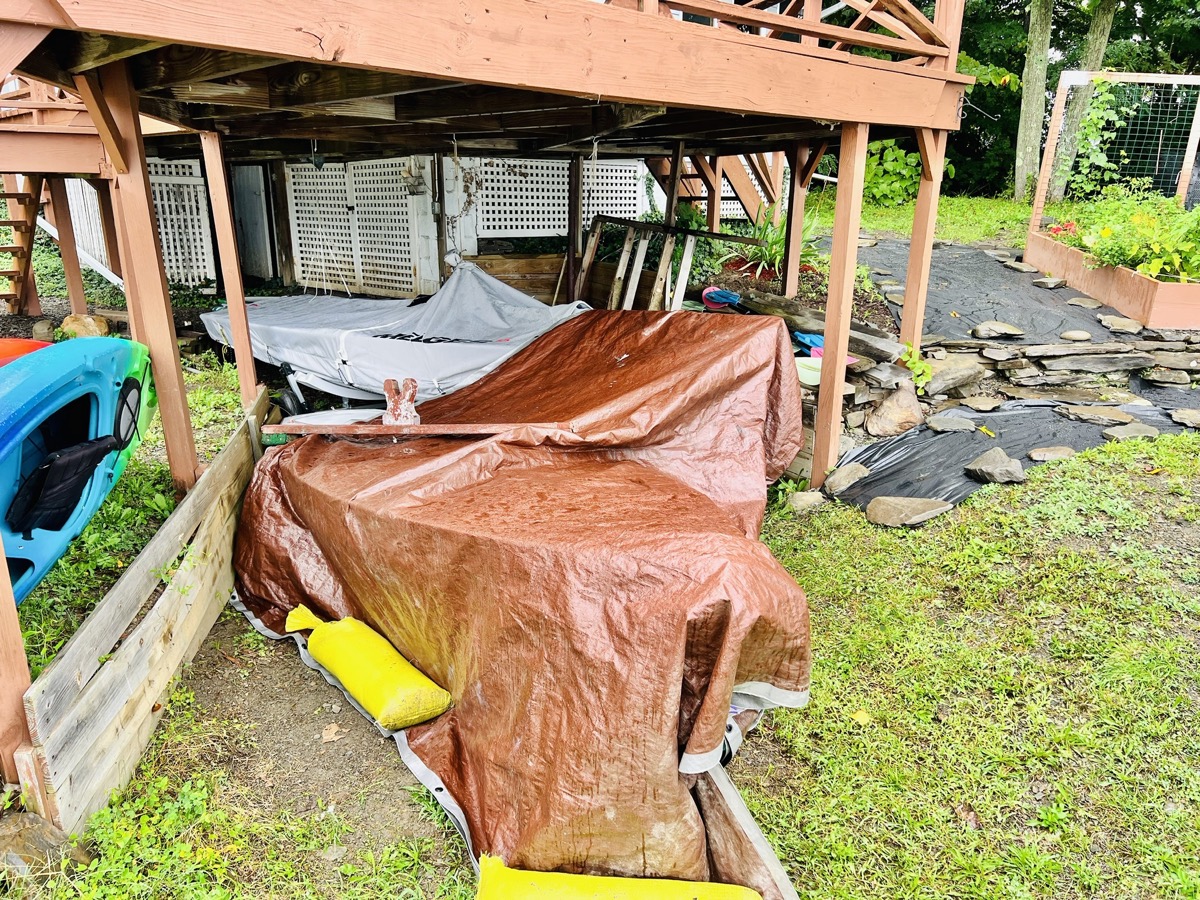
column 92, row 712
column 537, row 274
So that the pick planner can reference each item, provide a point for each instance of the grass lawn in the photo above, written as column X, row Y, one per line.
column 1004, row 706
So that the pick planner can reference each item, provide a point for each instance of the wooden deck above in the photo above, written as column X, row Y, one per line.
column 632, row 77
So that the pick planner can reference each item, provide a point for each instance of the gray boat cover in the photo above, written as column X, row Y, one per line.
column 462, row 332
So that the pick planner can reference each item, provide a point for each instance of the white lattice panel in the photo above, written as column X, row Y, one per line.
column 381, row 200
column 321, row 220
column 85, row 216
column 528, row 197
column 181, row 204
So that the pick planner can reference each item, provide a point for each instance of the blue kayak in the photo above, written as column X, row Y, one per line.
column 71, row 416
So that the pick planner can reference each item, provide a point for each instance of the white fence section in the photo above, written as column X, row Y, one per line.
column 184, row 227
column 528, row 197
column 181, row 202
column 355, row 226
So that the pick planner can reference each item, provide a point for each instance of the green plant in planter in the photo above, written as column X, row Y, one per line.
column 769, row 255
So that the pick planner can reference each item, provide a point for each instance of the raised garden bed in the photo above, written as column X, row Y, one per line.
column 1156, row 304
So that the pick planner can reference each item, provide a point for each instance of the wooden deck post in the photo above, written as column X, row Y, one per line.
column 574, row 222
column 60, row 210
column 145, row 280
column 714, row 195
column 108, row 223
column 920, row 250
column 14, row 680
column 231, row 268
column 797, row 156
column 673, row 178
column 852, row 164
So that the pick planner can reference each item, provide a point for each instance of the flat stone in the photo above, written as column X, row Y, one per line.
column 969, row 344
column 970, row 389
column 1050, row 284
column 1060, row 379
column 999, row 255
column 31, row 847
column 43, row 330
column 994, row 329
column 1120, row 324
column 1076, row 334
column 881, row 271
column 1096, row 415
column 952, row 372
column 898, row 512
column 803, row 502
column 998, row 354
column 1058, row 394
column 887, row 375
column 1020, row 362
column 1021, row 267
column 842, row 478
column 1153, row 346
column 1046, row 454
column 997, row 467
column 855, row 418
column 1100, row 362
column 1188, row 417
column 867, row 242
column 1084, row 303
column 1133, row 432
column 1188, row 362
column 892, row 287
column 896, row 413
column 1039, row 351
column 945, row 423
column 1159, row 375
column 983, row 404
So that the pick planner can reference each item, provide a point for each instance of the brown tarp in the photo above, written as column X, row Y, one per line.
column 593, row 597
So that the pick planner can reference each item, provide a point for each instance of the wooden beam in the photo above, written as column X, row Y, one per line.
column 1048, row 155
column 920, row 251
column 231, row 269
column 249, row 90
column 17, row 41
column 852, row 165
column 716, row 192
column 574, row 223
column 793, row 245
column 676, row 172
column 67, row 249
column 81, row 52
column 739, row 180
column 14, row 680
column 457, row 102
column 67, row 154
column 102, row 117
column 811, row 13
column 142, row 261
column 178, row 64
column 280, row 214
column 631, row 57
column 108, row 225
column 303, row 84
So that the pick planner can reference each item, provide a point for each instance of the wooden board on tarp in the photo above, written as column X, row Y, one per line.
column 536, row 274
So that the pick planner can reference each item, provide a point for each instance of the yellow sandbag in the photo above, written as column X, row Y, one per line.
column 384, row 682
column 498, row 882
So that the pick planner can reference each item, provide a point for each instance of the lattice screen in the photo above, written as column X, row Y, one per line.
column 381, row 202
column 1124, row 131
column 319, row 200
column 528, row 197
column 181, row 203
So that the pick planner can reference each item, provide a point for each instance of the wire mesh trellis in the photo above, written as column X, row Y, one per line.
column 1138, row 130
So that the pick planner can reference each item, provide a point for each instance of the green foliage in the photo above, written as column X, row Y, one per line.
column 778, row 493
column 1093, row 168
column 922, row 371
column 768, row 256
column 893, row 174
column 1139, row 229
column 52, row 282
column 986, row 75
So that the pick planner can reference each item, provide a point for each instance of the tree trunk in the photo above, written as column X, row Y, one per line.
column 1093, row 59
column 1033, row 97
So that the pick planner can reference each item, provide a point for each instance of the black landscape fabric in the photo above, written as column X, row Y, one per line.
column 925, row 463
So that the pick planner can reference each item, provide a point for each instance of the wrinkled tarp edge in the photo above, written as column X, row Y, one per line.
column 426, row 776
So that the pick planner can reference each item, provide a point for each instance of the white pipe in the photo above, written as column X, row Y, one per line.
column 86, row 258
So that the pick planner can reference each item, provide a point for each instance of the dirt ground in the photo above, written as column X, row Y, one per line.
column 240, row 676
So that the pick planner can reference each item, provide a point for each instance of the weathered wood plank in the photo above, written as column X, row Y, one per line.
column 374, row 428
column 14, row 679
column 52, row 696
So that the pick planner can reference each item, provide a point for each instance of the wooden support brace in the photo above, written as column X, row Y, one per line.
column 574, row 222
column 673, row 184
column 67, row 248
column 231, row 269
column 635, row 271
column 589, row 256
column 146, row 282
column 102, row 117
column 715, row 194
column 108, row 224
column 793, row 245
column 14, row 679
column 614, row 294
column 852, row 164
column 16, row 42
column 658, row 292
column 920, row 252
column 685, row 271
column 1049, row 154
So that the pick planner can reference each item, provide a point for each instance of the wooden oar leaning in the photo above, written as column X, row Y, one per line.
column 637, row 242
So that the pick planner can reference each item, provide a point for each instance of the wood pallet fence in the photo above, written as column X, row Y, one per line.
column 93, row 710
